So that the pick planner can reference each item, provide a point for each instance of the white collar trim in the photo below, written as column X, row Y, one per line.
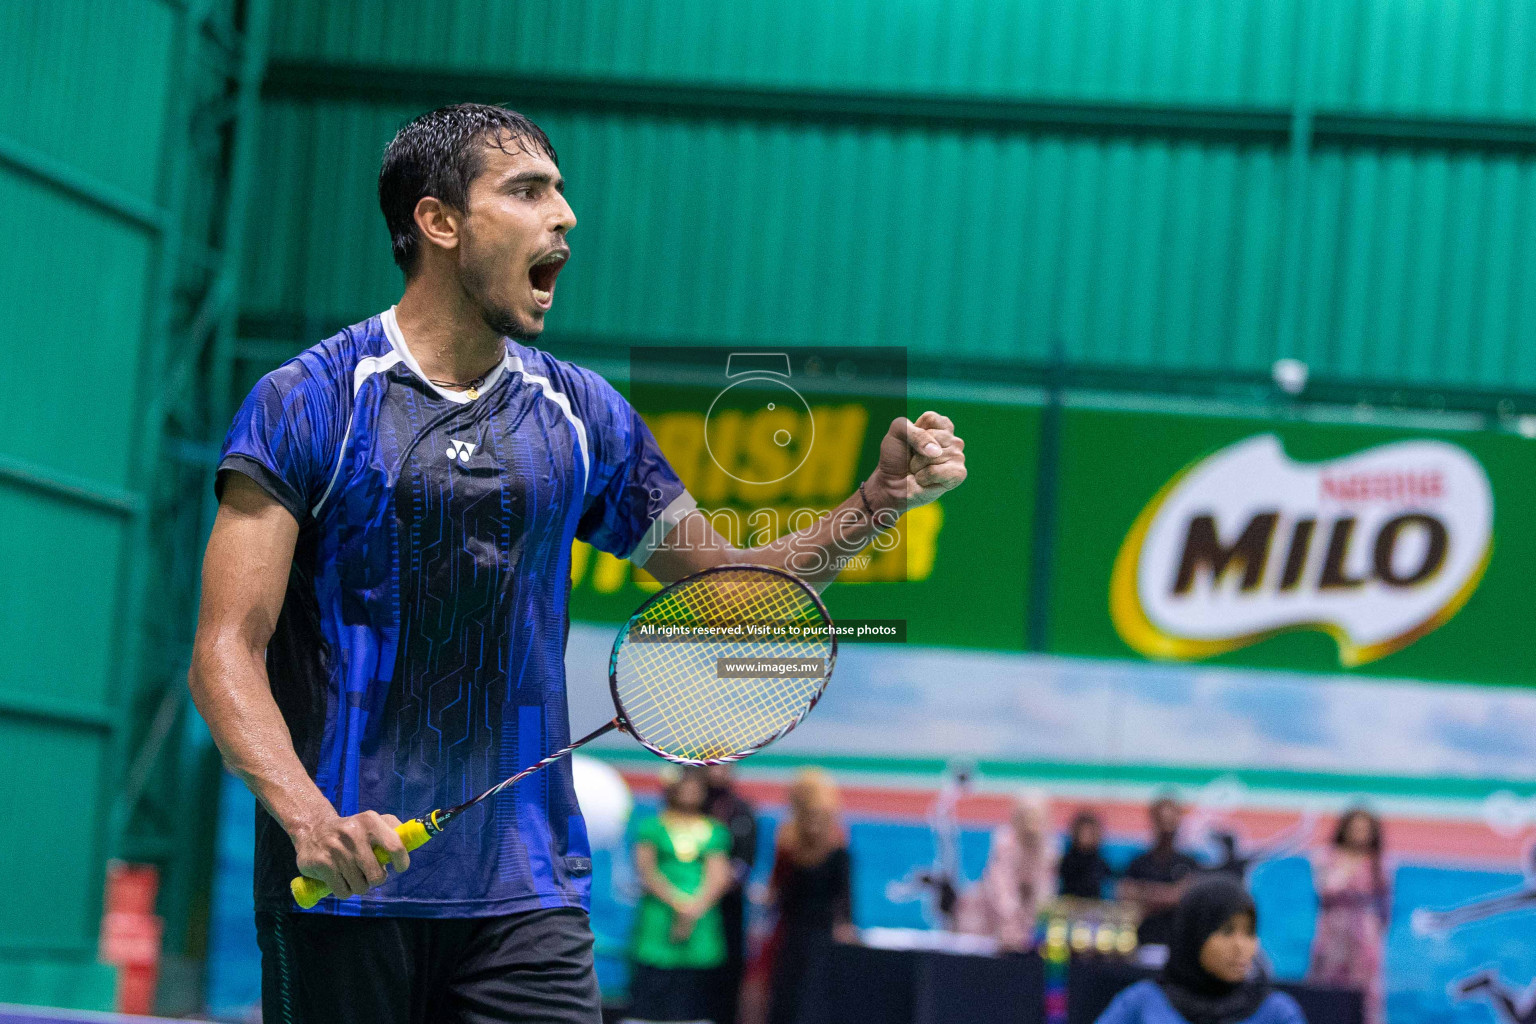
column 397, row 342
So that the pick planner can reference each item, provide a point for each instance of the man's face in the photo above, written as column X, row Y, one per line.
column 512, row 242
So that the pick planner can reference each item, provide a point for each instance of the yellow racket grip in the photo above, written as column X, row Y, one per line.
column 309, row 891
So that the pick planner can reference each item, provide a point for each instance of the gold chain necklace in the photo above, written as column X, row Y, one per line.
column 473, row 385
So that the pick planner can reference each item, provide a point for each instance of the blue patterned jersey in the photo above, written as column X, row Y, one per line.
column 419, row 656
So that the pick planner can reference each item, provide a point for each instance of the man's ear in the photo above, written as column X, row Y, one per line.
column 438, row 222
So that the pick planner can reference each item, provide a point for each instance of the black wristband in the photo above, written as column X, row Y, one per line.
column 865, row 499
column 878, row 522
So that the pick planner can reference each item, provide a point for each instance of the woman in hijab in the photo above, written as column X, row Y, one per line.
column 1020, row 877
column 1209, row 977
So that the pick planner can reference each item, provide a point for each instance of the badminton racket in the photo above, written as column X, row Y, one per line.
column 710, row 669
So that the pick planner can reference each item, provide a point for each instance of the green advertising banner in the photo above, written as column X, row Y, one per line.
column 957, row 571
column 1308, row 546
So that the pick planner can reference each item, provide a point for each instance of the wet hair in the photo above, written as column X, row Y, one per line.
column 438, row 154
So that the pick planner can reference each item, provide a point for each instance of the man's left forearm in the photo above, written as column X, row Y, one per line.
column 918, row 462
column 816, row 553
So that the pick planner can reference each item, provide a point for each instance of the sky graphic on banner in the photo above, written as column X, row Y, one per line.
column 907, row 701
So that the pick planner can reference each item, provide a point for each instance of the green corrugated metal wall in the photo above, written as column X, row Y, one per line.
column 1407, row 56
column 1185, row 187
column 79, row 285
column 122, row 161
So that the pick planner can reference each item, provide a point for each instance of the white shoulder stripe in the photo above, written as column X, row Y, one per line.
column 661, row 527
column 371, row 365
column 366, row 368
column 515, row 364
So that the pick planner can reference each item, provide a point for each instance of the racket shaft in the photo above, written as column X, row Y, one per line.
column 537, row 766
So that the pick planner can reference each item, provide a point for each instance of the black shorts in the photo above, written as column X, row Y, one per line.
column 528, row 968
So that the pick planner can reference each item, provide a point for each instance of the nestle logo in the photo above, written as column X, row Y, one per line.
column 1400, row 487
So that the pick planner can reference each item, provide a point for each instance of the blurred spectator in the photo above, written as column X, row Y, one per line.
column 1209, row 977
column 812, row 888
column 1084, row 871
column 1157, row 878
column 1230, row 858
column 1019, row 879
column 682, row 858
column 727, row 806
column 1354, row 903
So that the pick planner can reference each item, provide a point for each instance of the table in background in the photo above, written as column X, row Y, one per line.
column 1092, row 984
column 860, row 985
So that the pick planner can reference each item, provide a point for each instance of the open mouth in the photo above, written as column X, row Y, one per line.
column 541, row 276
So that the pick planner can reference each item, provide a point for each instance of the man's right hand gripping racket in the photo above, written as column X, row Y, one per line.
column 710, row 669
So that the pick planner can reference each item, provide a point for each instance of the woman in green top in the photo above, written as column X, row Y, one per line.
column 683, row 860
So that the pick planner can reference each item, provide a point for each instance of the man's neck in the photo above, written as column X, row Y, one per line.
column 445, row 332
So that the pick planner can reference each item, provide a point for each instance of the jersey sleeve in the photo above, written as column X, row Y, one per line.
column 633, row 496
column 282, row 437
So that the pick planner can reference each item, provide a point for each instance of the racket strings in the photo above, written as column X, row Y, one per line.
column 715, row 717
column 671, row 691
column 708, row 715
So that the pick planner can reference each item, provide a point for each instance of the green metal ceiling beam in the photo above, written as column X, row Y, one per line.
column 382, row 84
column 61, row 177
column 55, row 712
column 306, row 81
column 69, row 488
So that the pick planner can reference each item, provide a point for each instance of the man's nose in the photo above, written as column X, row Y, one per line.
column 565, row 217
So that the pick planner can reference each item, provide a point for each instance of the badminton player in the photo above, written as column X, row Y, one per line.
column 383, row 615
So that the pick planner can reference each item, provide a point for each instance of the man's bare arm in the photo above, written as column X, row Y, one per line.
column 245, row 575
column 918, row 462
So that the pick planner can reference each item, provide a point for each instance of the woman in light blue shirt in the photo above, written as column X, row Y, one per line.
column 1210, row 976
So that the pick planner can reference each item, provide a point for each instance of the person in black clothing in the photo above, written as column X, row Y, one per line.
column 1083, row 871
column 726, row 806
column 812, row 889
column 1230, row 858
column 1157, row 878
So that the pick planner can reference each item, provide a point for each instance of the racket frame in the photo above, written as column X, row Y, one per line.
column 622, row 721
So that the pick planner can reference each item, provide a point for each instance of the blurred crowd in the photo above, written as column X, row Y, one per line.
column 1195, row 920
column 693, row 860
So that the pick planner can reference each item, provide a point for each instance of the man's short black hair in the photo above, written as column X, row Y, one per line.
column 438, row 155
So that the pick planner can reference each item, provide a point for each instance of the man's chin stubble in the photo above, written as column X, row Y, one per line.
column 505, row 322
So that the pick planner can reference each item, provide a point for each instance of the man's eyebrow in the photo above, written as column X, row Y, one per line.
column 534, row 177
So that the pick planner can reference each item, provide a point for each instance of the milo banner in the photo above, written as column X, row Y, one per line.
column 1307, row 546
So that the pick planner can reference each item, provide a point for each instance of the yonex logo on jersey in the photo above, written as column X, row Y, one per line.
column 460, row 450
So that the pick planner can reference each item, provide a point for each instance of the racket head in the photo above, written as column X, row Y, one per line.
column 668, row 692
